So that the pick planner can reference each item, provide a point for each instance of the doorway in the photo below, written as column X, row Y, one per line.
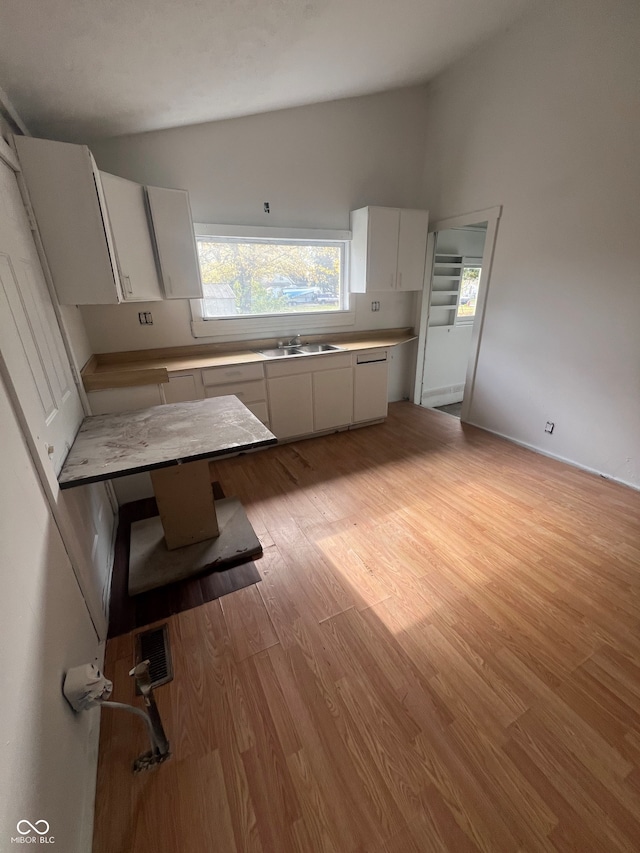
column 460, row 254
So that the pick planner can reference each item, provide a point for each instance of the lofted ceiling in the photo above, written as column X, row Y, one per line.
column 81, row 69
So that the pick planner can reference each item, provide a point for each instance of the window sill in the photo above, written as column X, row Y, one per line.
column 280, row 325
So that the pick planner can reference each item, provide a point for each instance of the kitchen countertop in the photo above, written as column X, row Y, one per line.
column 152, row 366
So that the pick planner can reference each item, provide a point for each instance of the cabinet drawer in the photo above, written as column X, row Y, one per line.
column 246, row 392
column 309, row 364
column 232, row 373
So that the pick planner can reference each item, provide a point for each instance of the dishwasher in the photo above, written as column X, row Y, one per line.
column 370, row 385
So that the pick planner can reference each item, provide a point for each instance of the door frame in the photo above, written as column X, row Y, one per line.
column 490, row 215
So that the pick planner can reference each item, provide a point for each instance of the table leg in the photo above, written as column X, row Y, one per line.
column 192, row 535
column 185, row 503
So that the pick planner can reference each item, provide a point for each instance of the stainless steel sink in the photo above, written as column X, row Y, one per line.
column 309, row 348
column 303, row 349
column 280, row 352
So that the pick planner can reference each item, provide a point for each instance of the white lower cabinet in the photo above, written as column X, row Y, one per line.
column 291, row 405
column 332, row 398
column 322, row 393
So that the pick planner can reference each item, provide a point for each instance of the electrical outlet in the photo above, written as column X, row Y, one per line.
column 375, row 306
column 145, row 318
column 549, row 427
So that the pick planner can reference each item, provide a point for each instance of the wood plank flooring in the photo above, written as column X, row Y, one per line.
column 443, row 655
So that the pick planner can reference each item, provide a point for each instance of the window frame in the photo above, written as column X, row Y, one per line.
column 469, row 319
column 228, row 328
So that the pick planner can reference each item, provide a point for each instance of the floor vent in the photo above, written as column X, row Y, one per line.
column 153, row 645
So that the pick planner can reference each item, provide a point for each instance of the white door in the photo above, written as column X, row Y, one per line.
column 36, row 367
column 30, row 340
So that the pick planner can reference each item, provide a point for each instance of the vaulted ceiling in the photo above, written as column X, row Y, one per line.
column 80, row 69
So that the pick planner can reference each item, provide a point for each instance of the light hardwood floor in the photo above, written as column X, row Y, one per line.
column 443, row 655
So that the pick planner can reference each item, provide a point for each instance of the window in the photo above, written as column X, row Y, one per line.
column 270, row 276
column 469, row 288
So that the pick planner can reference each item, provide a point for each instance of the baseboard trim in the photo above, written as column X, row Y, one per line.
column 557, row 457
column 434, row 397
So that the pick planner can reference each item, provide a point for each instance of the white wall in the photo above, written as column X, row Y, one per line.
column 546, row 121
column 76, row 333
column 48, row 754
column 312, row 164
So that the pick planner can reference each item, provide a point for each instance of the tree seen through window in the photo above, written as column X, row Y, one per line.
column 250, row 277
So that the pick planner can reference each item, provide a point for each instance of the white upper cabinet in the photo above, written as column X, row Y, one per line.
column 97, row 232
column 388, row 249
column 66, row 196
column 175, row 243
column 127, row 211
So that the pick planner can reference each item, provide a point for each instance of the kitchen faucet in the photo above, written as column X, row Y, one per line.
column 295, row 341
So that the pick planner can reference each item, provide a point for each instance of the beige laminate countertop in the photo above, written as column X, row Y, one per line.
column 152, row 366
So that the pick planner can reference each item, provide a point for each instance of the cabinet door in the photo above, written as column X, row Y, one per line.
column 175, row 242
column 64, row 189
column 291, row 406
column 181, row 389
column 126, row 206
column 412, row 248
column 370, row 391
column 332, row 398
column 382, row 248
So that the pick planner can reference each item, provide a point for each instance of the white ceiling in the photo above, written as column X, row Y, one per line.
column 80, row 69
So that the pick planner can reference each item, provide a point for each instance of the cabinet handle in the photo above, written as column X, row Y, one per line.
column 126, row 284
column 167, row 281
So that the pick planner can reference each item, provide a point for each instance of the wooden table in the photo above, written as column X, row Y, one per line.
column 174, row 442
